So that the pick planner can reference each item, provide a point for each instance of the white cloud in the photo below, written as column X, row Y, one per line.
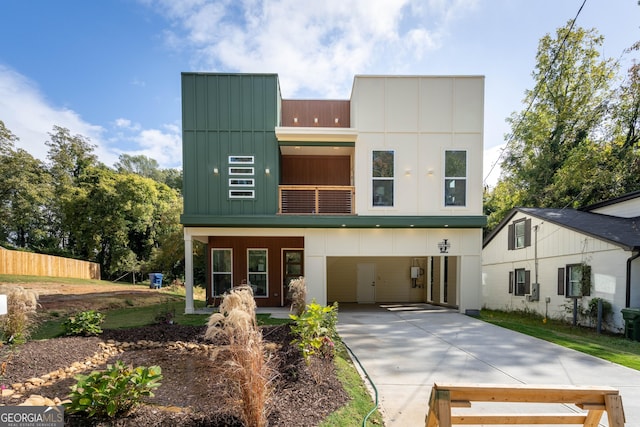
column 163, row 145
column 491, row 165
column 31, row 117
column 315, row 47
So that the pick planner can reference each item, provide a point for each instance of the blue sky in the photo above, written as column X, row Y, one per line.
column 110, row 69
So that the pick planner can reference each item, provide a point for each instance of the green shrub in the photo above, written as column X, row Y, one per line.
column 17, row 324
column 315, row 329
column 84, row 323
column 115, row 391
column 592, row 310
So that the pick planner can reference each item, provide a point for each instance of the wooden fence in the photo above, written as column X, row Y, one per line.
column 30, row 264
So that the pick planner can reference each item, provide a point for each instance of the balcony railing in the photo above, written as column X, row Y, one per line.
column 316, row 199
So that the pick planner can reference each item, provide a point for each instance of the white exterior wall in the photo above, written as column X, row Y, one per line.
column 419, row 118
column 322, row 243
column 557, row 247
column 626, row 209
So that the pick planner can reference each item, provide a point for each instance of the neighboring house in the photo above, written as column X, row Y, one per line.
column 377, row 198
column 544, row 259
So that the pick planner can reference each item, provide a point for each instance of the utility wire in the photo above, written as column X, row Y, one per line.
column 535, row 94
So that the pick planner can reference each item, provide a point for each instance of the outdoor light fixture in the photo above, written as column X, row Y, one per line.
column 215, row 171
column 267, row 171
column 444, row 246
column 430, row 172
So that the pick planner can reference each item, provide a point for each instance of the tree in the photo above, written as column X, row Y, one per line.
column 120, row 218
column 69, row 157
column 149, row 168
column 25, row 192
column 566, row 110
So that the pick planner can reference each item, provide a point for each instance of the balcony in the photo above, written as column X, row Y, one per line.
column 316, row 199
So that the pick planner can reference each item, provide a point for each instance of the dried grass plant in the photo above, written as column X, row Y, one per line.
column 243, row 361
column 17, row 324
column 298, row 294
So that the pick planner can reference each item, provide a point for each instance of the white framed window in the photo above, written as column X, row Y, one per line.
column 382, row 177
column 578, row 280
column 455, row 178
column 241, row 171
column 241, row 160
column 242, row 194
column 221, row 271
column 258, row 271
column 242, row 182
column 519, row 234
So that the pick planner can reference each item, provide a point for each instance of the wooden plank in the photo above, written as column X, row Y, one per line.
column 527, row 393
column 593, row 418
column 501, row 419
column 432, row 418
column 615, row 411
column 443, row 408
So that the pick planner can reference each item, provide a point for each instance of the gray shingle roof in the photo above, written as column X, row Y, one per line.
column 623, row 232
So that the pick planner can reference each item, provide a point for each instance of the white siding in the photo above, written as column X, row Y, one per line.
column 419, row 118
column 626, row 209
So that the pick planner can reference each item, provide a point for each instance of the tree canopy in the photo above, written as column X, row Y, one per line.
column 75, row 206
column 575, row 143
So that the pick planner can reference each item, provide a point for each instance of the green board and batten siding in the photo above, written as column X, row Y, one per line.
column 229, row 115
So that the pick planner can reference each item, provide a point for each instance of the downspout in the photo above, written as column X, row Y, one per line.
column 629, row 261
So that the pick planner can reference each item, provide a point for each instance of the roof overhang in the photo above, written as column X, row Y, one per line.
column 315, row 134
column 334, row 221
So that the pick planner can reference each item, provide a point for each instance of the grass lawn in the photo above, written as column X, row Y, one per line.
column 614, row 348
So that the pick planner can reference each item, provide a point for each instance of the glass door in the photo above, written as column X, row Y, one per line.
column 292, row 268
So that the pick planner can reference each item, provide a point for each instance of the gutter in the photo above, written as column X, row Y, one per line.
column 629, row 261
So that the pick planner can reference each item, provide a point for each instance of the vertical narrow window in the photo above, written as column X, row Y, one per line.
column 455, row 178
column 520, row 282
column 519, row 234
column 222, row 272
column 258, row 271
column 578, row 280
column 382, row 177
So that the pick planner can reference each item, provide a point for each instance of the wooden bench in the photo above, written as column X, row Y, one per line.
column 594, row 401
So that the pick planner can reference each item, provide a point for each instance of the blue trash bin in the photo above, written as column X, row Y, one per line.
column 155, row 280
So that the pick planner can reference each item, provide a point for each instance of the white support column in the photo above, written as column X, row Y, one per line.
column 188, row 273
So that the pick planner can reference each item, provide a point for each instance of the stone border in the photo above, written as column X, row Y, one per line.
column 109, row 349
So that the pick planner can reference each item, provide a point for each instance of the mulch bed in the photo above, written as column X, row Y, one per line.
column 192, row 392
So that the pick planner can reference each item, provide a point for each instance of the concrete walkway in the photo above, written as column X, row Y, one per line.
column 405, row 349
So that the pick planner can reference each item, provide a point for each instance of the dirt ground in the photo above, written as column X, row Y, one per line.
column 66, row 298
column 192, row 393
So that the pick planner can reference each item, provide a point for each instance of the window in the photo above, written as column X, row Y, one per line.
column 241, row 171
column 221, row 266
column 239, row 166
column 519, row 234
column 241, row 160
column 242, row 194
column 520, row 282
column 455, row 178
column 382, row 174
column 578, row 281
column 239, row 182
column 257, row 271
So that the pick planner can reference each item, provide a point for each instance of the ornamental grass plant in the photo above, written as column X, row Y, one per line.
column 16, row 326
column 298, row 295
column 243, row 360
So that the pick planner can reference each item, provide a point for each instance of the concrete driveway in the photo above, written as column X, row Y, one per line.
column 406, row 348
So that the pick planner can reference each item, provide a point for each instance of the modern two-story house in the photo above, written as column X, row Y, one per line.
column 376, row 198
